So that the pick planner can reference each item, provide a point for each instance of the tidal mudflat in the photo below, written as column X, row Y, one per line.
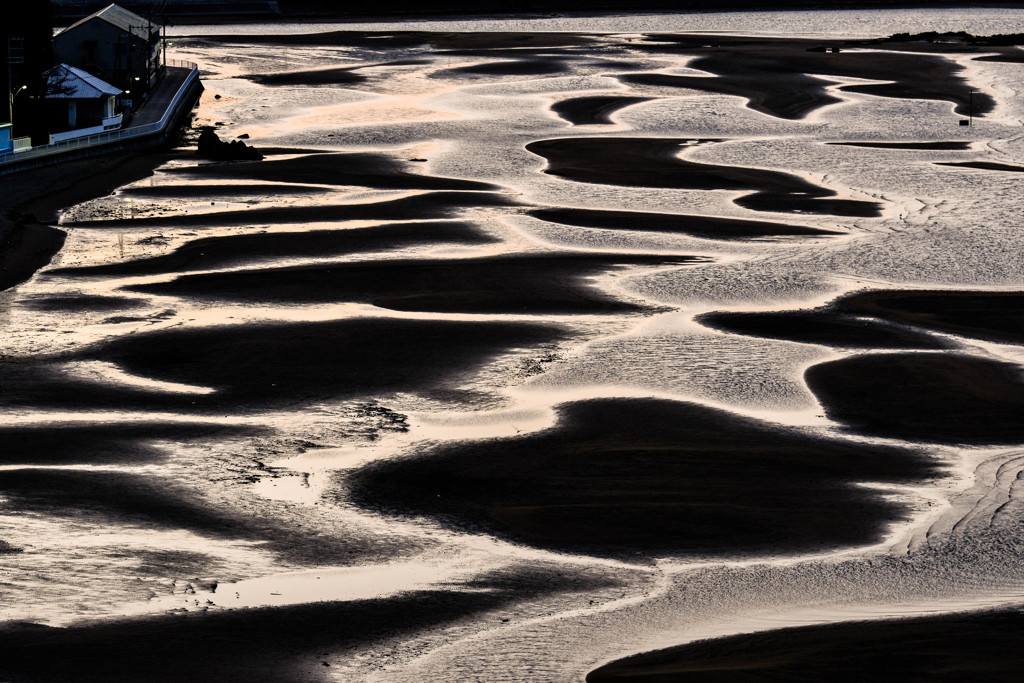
column 596, row 354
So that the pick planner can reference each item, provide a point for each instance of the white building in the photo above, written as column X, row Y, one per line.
column 83, row 104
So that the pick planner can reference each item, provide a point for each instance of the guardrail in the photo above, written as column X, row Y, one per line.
column 106, row 138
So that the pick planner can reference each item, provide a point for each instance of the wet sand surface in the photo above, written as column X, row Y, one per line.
column 450, row 387
column 31, row 196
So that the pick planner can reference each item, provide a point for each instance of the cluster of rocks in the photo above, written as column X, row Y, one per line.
column 212, row 147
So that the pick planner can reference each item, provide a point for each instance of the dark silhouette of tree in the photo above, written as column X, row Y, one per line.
column 26, row 44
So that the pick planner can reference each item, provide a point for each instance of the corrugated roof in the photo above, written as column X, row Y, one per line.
column 120, row 17
column 79, row 84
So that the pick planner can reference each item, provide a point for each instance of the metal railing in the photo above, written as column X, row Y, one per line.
column 106, row 138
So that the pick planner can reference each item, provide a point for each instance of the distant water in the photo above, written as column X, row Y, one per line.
column 848, row 23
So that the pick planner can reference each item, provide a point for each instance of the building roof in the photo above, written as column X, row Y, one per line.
column 77, row 84
column 118, row 16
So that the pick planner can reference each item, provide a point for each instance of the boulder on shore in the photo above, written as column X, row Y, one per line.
column 212, row 147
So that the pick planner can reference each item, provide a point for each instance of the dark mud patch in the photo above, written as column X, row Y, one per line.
column 333, row 76
column 653, row 162
column 1009, row 57
column 164, row 563
column 200, row 190
column 360, row 169
column 337, row 76
column 419, row 207
column 292, row 364
column 955, row 647
column 822, row 326
column 79, row 303
column 94, row 444
column 928, row 397
column 117, row 499
column 939, row 145
column 704, row 227
column 273, row 644
column 258, row 367
column 626, row 476
column 537, row 66
column 774, row 75
column 983, row 166
column 594, row 110
column 217, row 252
column 116, row 496
column 25, row 247
column 46, row 383
column 995, row 316
column 42, row 192
column 476, row 40
column 792, row 96
column 531, row 284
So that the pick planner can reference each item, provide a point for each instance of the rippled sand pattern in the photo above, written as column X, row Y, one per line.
column 520, row 353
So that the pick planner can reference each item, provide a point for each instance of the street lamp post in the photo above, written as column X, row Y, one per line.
column 10, row 117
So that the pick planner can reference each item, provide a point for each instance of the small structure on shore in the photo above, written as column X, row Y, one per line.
column 83, row 104
column 212, row 147
column 6, row 139
column 119, row 46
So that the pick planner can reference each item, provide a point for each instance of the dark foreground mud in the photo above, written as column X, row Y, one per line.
column 501, row 284
column 705, row 227
column 775, row 75
column 951, row 648
column 635, row 477
column 219, row 252
column 653, row 162
column 595, row 109
column 252, row 366
column 929, row 397
column 273, row 644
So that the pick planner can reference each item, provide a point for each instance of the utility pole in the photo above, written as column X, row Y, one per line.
column 130, row 70
column 149, row 46
column 161, row 10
